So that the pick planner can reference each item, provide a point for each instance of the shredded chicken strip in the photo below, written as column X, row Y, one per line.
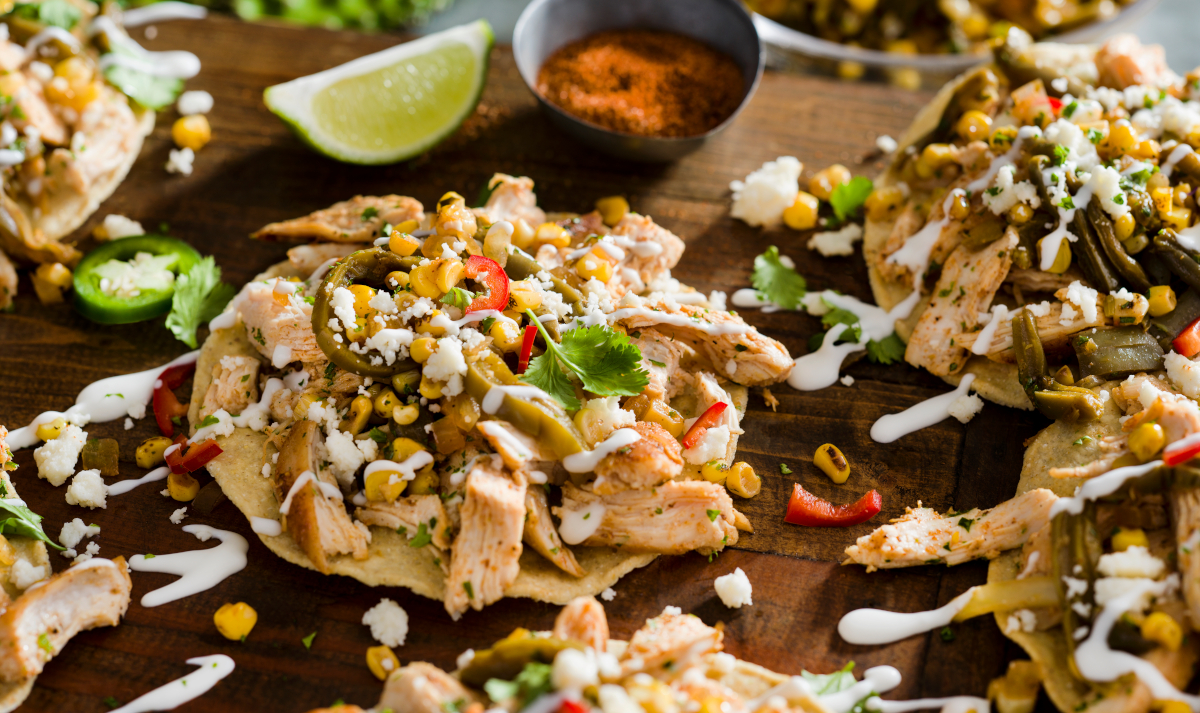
column 513, row 199
column 542, row 537
column 270, row 324
column 234, row 385
column 307, row 258
column 485, row 557
column 583, row 620
column 1185, row 519
column 407, row 515
column 423, row 688
column 660, row 359
column 1123, row 61
column 671, row 642
column 654, row 459
column 357, row 220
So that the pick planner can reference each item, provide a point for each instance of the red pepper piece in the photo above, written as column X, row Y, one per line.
column 165, row 404
column 707, row 420
column 1188, row 342
column 488, row 272
column 197, row 456
column 1056, row 105
column 807, row 509
column 1182, row 450
column 526, row 348
column 174, row 376
column 569, row 706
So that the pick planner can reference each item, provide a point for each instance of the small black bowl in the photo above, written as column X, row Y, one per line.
column 547, row 25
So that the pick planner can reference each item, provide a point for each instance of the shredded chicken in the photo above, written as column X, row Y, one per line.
column 515, row 446
column 671, row 641
column 541, row 535
column 307, row 258
column 655, row 253
column 42, row 620
column 923, row 536
column 1185, row 519
column 315, row 519
column 731, row 347
column 423, row 688
column 5, row 454
column 354, row 221
column 674, row 518
column 484, row 561
column 407, row 515
column 653, row 459
column 513, row 199
column 583, row 620
column 1099, row 466
column 964, row 289
column 234, row 385
column 1055, row 335
column 1124, row 61
column 1128, row 392
column 110, row 131
column 35, row 111
column 270, row 324
column 8, row 282
column 660, row 358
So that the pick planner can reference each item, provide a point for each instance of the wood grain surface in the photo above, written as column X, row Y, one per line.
column 255, row 172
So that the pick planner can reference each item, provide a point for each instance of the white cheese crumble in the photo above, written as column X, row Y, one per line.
column 92, row 550
column 75, row 531
column 344, row 456
column 1041, row 309
column 23, row 574
column 1106, row 186
column 1005, row 194
column 1109, row 588
column 838, row 242
column 965, row 407
column 1184, row 374
column 1133, row 562
column 734, row 589
column 56, row 459
column 847, row 380
column 1067, row 317
column 342, row 302
column 388, row 622
column 194, row 102
column 886, row 144
column 614, row 699
column 609, row 416
column 1084, row 297
column 115, row 227
column 180, row 161
column 447, row 365
column 608, row 594
column 1020, row 620
column 767, row 192
column 87, row 489
column 714, row 445
column 574, row 669
column 178, row 516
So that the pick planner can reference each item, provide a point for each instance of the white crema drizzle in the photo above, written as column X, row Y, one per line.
column 198, row 570
column 894, row 426
column 190, row 687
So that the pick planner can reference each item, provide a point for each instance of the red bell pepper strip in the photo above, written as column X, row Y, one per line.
column 489, row 273
column 526, row 348
column 570, row 706
column 807, row 509
column 165, row 404
column 1182, row 450
column 197, row 456
column 1188, row 342
column 1056, row 105
column 707, row 420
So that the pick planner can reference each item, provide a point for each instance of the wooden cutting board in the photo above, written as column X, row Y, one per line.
column 255, row 171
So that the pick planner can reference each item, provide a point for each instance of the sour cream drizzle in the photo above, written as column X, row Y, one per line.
column 1100, row 486
column 578, row 525
column 894, row 426
column 916, row 251
column 952, row 704
column 679, row 320
column 879, row 679
column 175, row 64
column 876, row 626
column 641, row 248
column 326, row 489
column 983, row 340
column 408, row 469
column 1177, row 154
column 124, row 486
column 161, row 12
column 265, row 526
column 181, row 690
column 102, row 401
column 51, row 34
column 494, row 399
column 586, row 461
column 820, row 368
column 198, row 570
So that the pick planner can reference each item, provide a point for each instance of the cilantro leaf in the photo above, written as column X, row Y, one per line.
column 308, row 640
column 889, row 350
column 776, row 282
column 370, row 212
column 17, row 519
column 824, row 684
column 422, row 537
column 837, row 315
column 605, row 361
column 848, row 197
column 57, row 13
column 458, row 297
column 530, row 684
column 199, row 297
column 209, row 420
column 1060, row 155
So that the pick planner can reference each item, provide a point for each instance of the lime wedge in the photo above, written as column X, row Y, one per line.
column 391, row 105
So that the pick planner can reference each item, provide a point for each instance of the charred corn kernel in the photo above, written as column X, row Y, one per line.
column 426, row 325
column 1017, row 690
column 403, row 244
column 385, row 485
column 1170, row 707
column 1121, row 137
column 300, row 410
column 802, row 213
column 422, row 349
column 360, row 411
column 406, row 414
column 1163, row 200
column 831, row 461
column 50, row 431
column 406, row 226
column 55, row 273
column 1124, row 226
column 75, row 70
column 523, row 234
column 425, row 483
column 589, row 266
column 1126, row 460
column 714, row 471
column 712, row 704
column 191, row 132
column 973, row 125
column 362, row 297
column 1147, row 440
column 47, row 292
column 1061, row 261
column 1181, row 193
column 406, row 382
column 824, row 181
column 523, row 295
column 652, row 695
column 1002, row 138
column 405, row 448
column 553, row 234
column 422, row 280
column 1178, row 218
column 741, row 480
column 1124, row 538
column 1020, row 214
column 1161, row 628
column 506, row 336
column 150, row 453
column 396, row 280
column 182, row 487
column 1148, row 150
column 429, row 388
column 385, row 402
column 8, row 555
column 382, row 662
column 235, row 621
column 1162, row 300
column 960, row 206
column 448, row 274
column 884, row 202
column 612, row 209
column 937, row 155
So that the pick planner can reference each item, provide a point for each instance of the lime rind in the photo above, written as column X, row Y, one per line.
column 296, row 101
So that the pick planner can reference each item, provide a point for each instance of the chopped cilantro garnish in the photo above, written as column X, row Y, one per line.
column 848, row 198
column 777, row 283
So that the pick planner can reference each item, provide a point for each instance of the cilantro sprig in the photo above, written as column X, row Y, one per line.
column 776, row 282
column 604, row 360
column 199, row 297
column 17, row 519
column 847, row 198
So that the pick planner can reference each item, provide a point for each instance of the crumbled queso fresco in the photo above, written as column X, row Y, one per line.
column 965, row 407
column 838, row 242
column 767, row 192
column 388, row 622
column 56, row 459
column 734, row 589
column 87, row 489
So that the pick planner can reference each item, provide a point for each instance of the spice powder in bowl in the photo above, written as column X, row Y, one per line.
column 643, row 82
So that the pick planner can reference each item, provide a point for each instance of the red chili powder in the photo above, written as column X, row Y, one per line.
column 643, row 82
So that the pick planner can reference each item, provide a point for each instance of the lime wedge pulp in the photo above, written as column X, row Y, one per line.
column 391, row 105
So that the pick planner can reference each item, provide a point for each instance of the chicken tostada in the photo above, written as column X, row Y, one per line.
column 415, row 412
column 1057, row 181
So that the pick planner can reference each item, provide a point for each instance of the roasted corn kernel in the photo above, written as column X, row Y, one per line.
column 824, row 181
column 741, row 480
column 1017, row 690
column 405, row 448
column 429, row 388
column 960, row 206
column 1170, row 707
column 403, row 244
column 1162, row 300
column 523, row 295
column 1062, row 260
column 150, row 453
column 553, row 234
column 425, row 483
column 506, row 336
column 1002, row 138
column 382, row 662
column 589, row 266
column 406, row 414
column 1124, row 226
column 802, row 213
column 1177, row 219
column 48, row 293
column 1161, row 628
column 235, row 621
column 1147, row 440
column 360, row 411
column 8, row 555
column 191, row 132
column 385, row 402
column 1121, row 138
column 421, row 349
column 714, row 471
column 612, row 209
column 182, row 487
column 448, row 274
column 1020, row 214
column 56, row 274
column 831, row 461
column 50, row 431
column 523, row 234
column 396, row 280
column 884, row 202
column 1126, row 537
column 973, row 125
column 422, row 280
column 385, row 485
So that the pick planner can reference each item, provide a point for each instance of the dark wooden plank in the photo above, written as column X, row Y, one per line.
column 255, row 172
